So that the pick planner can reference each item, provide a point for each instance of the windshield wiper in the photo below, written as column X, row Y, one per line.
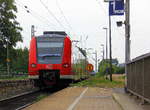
column 49, row 55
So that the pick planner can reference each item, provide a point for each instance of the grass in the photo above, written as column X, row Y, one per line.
column 40, row 97
column 14, row 78
column 100, row 81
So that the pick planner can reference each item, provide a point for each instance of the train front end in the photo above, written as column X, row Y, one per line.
column 50, row 58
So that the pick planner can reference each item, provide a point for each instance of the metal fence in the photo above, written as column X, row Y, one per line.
column 138, row 76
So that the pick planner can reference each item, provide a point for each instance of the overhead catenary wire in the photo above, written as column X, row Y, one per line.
column 51, row 14
column 42, row 19
column 65, row 18
column 61, row 11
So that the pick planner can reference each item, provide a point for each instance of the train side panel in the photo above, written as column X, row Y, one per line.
column 66, row 60
column 32, row 67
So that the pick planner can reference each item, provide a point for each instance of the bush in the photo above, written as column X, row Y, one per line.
column 120, row 70
column 104, row 68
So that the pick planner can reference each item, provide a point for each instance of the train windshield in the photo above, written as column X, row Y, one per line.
column 49, row 50
column 49, row 44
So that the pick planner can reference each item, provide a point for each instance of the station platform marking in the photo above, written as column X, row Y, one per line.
column 77, row 100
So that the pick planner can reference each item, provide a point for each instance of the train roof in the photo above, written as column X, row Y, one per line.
column 56, row 33
column 53, row 34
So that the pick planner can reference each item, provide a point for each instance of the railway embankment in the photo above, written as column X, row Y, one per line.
column 11, row 88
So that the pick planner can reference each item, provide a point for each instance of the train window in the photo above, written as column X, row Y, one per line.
column 50, row 39
column 49, row 44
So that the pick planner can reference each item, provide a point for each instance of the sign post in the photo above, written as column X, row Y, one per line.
column 116, row 7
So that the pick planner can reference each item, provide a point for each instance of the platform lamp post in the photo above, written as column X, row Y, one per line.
column 95, row 60
column 103, row 51
column 105, row 28
column 86, row 51
column 8, row 60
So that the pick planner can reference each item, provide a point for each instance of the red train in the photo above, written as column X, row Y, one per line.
column 50, row 58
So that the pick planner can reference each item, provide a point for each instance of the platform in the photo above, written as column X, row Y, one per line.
column 77, row 98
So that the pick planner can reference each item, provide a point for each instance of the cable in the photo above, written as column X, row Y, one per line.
column 35, row 15
column 63, row 14
column 65, row 18
column 52, row 15
column 43, row 19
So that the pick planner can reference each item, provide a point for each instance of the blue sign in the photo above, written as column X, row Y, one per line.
column 116, row 7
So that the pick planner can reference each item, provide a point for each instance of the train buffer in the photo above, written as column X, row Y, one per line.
column 84, row 98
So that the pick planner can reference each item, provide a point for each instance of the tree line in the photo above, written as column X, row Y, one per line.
column 10, row 35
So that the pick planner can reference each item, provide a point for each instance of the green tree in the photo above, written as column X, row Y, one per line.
column 119, row 70
column 20, row 61
column 104, row 66
column 9, row 28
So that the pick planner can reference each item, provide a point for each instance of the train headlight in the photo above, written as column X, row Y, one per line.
column 33, row 65
column 66, row 65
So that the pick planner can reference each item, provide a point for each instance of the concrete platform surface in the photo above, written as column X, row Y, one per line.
column 78, row 98
column 125, row 102
column 128, row 102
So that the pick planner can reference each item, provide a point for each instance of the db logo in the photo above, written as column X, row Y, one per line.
column 50, row 66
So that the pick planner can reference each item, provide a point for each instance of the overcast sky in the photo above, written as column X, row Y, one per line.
column 87, row 18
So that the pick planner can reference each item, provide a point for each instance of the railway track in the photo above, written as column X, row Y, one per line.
column 17, row 102
column 23, row 100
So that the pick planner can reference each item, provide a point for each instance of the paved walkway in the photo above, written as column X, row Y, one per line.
column 97, row 99
column 128, row 102
column 77, row 98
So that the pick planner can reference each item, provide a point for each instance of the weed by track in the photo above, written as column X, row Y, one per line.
column 101, row 81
